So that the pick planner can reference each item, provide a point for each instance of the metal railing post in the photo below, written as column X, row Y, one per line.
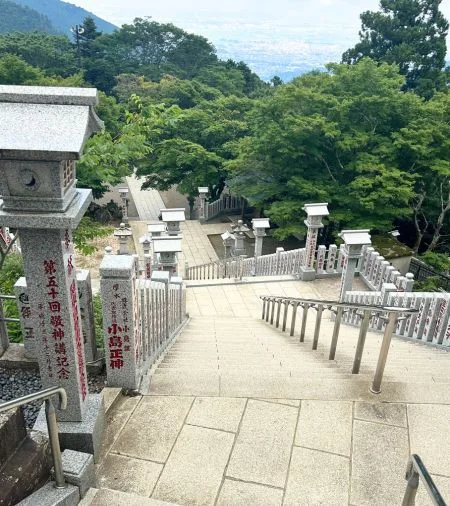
column 409, row 499
column 294, row 316
column 317, row 327
column 50, row 415
column 277, row 322
column 268, row 310
column 337, row 326
column 361, row 341
column 264, row 308
column 376, row 384
column 304, row 318
column 286, row 309
column 272, row 312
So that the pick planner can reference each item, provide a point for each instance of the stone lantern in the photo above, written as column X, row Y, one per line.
column 228, row 242
column 123, row 233
column 260, row 225
column 173, row 218
column 354, row 240
column 156, row 230
column 315, row 213
column 123, row 192
column 145, row 240
column 203, row 192
column 42, row 133
column 166, row 249
column 239, row 236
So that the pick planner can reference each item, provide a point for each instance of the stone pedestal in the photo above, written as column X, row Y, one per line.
column 313, row 222
column 354, row 241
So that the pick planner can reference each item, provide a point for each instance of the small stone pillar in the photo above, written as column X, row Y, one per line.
column 146, row 240
column 123, row 233
column 123, row 192
column 178, row 281
column 87, row 314
column 228, row 242
column 26, row 321
column 315, row 213
column 260, row 225
column 166, row 249
column 354, row 240
column 203, row 192
column 173, row 218
column 239, row 237
column 123, row 346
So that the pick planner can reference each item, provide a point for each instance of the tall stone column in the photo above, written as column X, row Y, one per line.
column 43, row 134
column 354, row 240
column 259, row 230
column 313, row 222
column 203, row 192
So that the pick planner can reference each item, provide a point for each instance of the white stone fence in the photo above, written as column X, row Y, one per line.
column 430, row 324
column 140, row 318
column 327, row 262
column 375, row 270
column 226, row 203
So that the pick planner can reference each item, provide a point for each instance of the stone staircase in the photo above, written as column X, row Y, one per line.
column 240, row 413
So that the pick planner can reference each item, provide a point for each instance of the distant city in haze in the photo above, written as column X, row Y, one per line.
column 285, row 38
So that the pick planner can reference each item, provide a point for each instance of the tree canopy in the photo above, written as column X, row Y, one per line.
column 410, row 33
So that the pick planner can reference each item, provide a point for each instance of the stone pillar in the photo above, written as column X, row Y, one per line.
column 259, row 229
column 123, row 192
column 203, row 192
column 353, row 243
column 164, row 277
column 239, row 237
column 228, row 242
column 123, row 346
column 87, row 314
column 26, row 321
column 313, row 222
column 123, row 233
column 51, row 278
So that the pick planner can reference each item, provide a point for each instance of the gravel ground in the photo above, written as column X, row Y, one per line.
column 17, row 382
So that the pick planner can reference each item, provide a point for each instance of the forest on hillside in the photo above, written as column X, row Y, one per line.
column 370, row 136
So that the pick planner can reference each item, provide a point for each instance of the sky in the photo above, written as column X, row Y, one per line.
column 274, row 37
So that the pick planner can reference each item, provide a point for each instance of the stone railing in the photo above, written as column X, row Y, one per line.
column 327, row 262
column 225, row 203
column 431, row 323
column 140, row 318
column 375, row 270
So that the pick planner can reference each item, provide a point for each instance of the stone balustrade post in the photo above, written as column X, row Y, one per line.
column 87, row 314
column 260, row 225
column 353, row 243
column 203, row 192
column 164, row 277
column 123, row 347
column 313, row 222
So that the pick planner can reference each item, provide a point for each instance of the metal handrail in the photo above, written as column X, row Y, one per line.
column 416, row 469
column 50, row 415
column 366, row 311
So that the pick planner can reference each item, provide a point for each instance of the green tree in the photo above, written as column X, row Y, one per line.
column 410, row 33
column 329, row 137
column 86, row 38
column 18, row 18
column 53, row 54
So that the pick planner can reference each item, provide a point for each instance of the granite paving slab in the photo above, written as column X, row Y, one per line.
column 239, row 493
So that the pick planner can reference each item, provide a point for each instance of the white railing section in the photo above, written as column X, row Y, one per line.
column 224, row 203
column 375, row 270
column 431, row 322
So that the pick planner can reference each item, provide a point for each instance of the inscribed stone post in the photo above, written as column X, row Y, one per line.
column 87, row 314
column 315, row 213
column 26, row 321
column 120, row 321
column 49, row 263
column 203, row 191
column 331, row 260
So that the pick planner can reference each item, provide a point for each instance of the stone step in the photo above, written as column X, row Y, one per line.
column 27, row 469
column 109, row 497
column 12, row 433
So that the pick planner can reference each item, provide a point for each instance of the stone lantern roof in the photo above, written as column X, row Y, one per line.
column 46, row 123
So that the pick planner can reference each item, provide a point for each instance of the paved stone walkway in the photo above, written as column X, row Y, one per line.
column 148, row 202
column 239, row 413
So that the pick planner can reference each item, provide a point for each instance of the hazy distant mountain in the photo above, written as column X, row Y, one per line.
column 16, row 17
column 63, row 15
